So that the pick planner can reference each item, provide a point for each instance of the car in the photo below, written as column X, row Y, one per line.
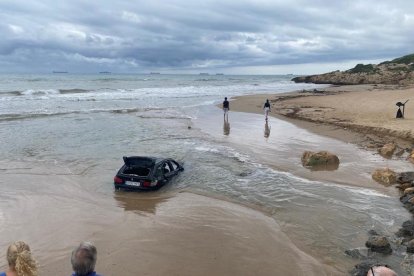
column 146, row 173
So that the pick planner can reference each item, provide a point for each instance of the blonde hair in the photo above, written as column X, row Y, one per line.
column 20, row 258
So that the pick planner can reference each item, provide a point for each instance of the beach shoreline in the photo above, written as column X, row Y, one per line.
column 360, row 114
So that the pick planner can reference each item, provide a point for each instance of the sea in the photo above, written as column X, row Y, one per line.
column 54, row 125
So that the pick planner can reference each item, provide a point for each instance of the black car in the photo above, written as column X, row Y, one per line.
column 146, row 173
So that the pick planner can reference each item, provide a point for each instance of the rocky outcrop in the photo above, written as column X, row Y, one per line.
column 322, row 160
column 399, row 71
column 386, row 176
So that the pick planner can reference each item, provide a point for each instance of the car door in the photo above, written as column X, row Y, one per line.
column 159, row 174
column 175, row 166
column 168, row 170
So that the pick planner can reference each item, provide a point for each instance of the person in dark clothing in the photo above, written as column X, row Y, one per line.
column 226, row 107
column 266, row 108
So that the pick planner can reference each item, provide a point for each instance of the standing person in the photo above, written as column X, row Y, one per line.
column 21, row 262
column 266, row 108
column 84, row 259
column 226, row 108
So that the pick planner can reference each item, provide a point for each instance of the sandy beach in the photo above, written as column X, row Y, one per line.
column 361, row 114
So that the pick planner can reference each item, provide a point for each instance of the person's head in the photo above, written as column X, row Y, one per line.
column 267, row 100
column 381, row 271
column 225, row 98
column 20, row 259
column 84, row 258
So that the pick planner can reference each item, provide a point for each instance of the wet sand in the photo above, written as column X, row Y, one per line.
column 361, row 114
column 140, row 233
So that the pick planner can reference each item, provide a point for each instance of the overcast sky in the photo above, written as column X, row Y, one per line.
column 183, row 36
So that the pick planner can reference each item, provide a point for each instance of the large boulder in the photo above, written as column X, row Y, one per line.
column 322, row 160
column 387, row 150
column 385, row 176
column 379, row 244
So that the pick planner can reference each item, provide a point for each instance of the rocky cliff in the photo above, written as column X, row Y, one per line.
column 398, row 71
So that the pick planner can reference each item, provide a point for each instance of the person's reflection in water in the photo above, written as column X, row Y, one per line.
column 267, row 129
column 226, row 127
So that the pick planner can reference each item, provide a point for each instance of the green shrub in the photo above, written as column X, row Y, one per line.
column 405, row 59
column 361, row 68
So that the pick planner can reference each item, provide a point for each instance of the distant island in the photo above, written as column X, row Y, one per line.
column 104, row 72
column 60, row 72
column 397, row 71
column 219, row 74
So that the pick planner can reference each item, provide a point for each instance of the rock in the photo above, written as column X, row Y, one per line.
column 404, row 186
column 410, row 246
column 400, row 152
column 410, row 208
column 405, row 177
column 379, row 244
column 372, row 232
column 407, row 199
column 387, row 150
column 385, row 176
column 322, row 160
column 409, row 191
column 354, row 253
column 411, row 156
column 407, row 229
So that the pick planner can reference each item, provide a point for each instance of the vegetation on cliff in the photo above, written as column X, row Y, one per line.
column 397, row 71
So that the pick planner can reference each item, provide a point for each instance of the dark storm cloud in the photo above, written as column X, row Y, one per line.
column 137, row 35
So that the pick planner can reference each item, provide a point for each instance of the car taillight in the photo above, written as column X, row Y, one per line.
column 118, row 180
column 148, row 183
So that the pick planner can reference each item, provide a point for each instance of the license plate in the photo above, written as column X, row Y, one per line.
column 132, row 183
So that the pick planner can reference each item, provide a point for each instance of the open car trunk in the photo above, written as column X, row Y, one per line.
column 138, row 166
column 137, row 171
